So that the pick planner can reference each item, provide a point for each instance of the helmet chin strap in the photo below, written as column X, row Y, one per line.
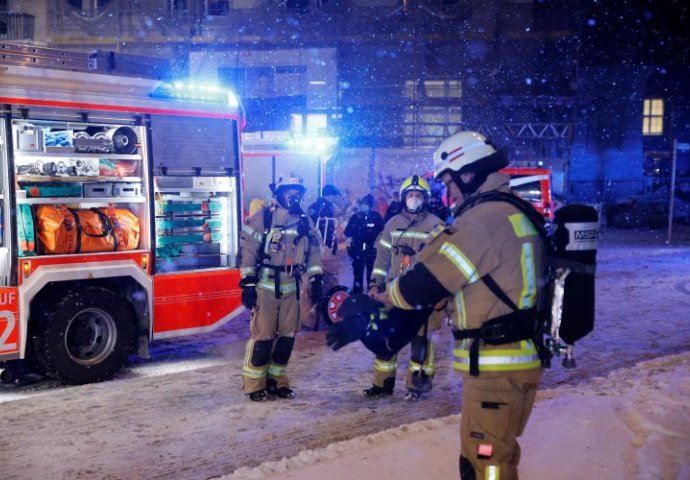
column 471, row 187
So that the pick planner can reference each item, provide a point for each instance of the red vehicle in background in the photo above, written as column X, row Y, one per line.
column 533, row 185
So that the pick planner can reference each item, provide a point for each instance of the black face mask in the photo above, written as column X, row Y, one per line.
column 294, row 205
column 471, row 187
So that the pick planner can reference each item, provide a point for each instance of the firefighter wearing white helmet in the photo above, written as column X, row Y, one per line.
column 489, row 262
column 403, row 237
column 280, row 247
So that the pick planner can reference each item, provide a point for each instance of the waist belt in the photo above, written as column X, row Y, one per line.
column 515, row 326
column 294, row 270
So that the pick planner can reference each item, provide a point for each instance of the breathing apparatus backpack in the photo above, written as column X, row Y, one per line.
column 565, row 308
column 569, row 295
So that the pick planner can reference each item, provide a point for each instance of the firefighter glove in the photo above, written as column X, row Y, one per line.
column 356, row 313
column 316, row 291
column 248, row 286
column 347, row 331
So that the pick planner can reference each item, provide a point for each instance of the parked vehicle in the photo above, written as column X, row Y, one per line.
column 121, row 204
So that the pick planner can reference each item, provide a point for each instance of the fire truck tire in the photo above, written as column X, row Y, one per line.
column 332, row 301
column 34, row 358
column 87, row 336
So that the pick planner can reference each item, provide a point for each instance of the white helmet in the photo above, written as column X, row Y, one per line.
column 288, row 180
column 467, row 152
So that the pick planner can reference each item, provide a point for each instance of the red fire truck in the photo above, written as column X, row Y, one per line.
column 534, row 185
column 121, row 204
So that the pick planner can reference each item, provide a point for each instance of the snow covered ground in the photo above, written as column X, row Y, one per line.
column 632, row 424
column 623, row 413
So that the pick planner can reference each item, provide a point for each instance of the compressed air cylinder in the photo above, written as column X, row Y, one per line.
column 576, row 230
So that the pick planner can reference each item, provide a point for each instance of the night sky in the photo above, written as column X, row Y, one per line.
column 636, row 32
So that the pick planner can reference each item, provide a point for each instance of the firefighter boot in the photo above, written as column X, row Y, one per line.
column 375, row 391
column 259, row 396
column 281, row 392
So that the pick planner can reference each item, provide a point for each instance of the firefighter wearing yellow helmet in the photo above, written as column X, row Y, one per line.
column 280, row 248
column 490, row 263
column 403, row 237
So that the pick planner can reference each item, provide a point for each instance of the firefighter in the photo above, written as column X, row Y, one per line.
column 403, row 237
column 490, row 261
column 280, row 248
column 363, row 227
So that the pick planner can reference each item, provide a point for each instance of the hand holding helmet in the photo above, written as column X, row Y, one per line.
column 382, row 332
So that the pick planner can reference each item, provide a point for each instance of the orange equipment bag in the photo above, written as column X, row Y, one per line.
column 71, row 230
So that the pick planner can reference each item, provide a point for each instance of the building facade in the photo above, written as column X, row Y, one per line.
column 392, row 78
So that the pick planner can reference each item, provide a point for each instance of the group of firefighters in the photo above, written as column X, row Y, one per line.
column 478, row 265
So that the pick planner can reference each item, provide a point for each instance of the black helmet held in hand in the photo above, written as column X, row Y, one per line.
column 382, row 332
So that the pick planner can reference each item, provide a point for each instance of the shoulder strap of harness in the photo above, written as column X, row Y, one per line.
column 268, row 220
column 525, row 207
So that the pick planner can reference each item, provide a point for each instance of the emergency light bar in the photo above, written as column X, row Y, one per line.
column 196, row 91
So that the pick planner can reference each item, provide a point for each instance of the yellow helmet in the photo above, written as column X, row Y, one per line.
column 414, row 183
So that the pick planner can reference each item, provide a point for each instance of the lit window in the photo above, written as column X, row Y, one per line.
column 435, row 88
column 653, row 117
column 296, row 123
column 317, row 122
column 443, row 88
column 411, row 89
column 430, row 125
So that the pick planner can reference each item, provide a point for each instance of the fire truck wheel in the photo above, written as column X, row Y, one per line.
column 88, row 336
column 35, row 359
column 332, row 301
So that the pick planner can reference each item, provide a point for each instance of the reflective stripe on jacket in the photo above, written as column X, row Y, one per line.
column 280, row 250
column 404, row 229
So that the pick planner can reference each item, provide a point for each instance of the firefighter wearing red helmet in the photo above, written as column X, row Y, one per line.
column 490, row 263
column 403, row 237
column 280, row 247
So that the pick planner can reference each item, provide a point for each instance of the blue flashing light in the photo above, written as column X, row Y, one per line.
column 200, row 92
column 314, row 144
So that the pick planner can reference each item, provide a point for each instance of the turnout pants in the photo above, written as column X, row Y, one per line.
column 272, row 327
column 495, row 410
column 420, row 370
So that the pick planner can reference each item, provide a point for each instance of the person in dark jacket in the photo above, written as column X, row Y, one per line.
column 322, row 213
column 394, row 208
column 363, row 227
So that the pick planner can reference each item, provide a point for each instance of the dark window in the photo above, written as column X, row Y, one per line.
column 178, row 5
column 297, row 6
column 218, row 7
